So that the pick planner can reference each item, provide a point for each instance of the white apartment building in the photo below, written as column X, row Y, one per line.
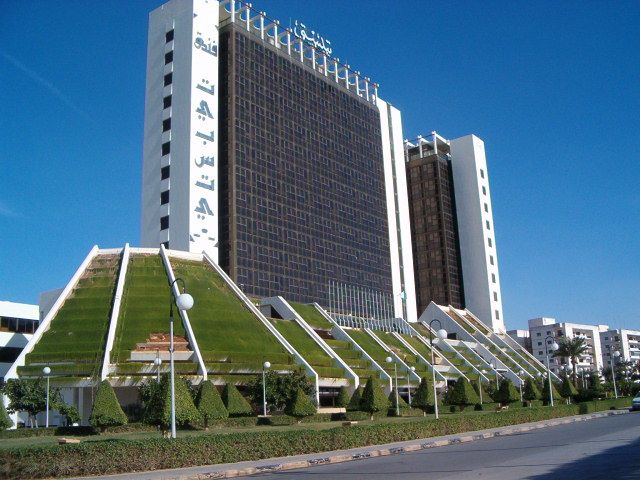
column 540, row 329
column 627, row 342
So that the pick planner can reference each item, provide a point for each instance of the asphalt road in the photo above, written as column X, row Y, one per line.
column 605, row 448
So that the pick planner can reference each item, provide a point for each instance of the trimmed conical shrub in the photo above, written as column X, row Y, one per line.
column 300, row 405
column 531, row 391
column 343, row 398
column 5, row 419
column 545, row 392
column 463, row 394
column 423, row 398
column 209, row 403
column 392, row 407
column 507, row 393
column 106, row 411
column 186, row 412
column 486, row 398
column 373, row 398
column 356, row 400
column 567, row 388
column 236, row 404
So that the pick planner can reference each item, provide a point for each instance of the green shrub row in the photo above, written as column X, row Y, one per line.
column 110, row 457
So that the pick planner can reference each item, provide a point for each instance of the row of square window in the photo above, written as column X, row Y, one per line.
column 166, row 126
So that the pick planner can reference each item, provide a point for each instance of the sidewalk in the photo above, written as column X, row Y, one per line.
column 231, row 470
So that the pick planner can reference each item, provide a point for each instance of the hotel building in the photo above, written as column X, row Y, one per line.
column 266, row 152
column 627, row 342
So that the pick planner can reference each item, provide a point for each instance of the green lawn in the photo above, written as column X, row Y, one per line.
column 312, row 316
column 77, row 334
column 145, row 306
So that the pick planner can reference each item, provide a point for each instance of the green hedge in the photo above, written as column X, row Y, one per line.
column 117, row 456
column 599, row 405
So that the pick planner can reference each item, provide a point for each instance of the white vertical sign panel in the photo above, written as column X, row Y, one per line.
column 203, row 196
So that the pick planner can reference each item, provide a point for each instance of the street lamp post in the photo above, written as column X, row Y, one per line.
column 413, row 369
column 47, row 372
column 442, row 333
column 520, row 375
column 157, row 362
column 615, row 355
column 395, row 372
column 554, row 347
column 494, row 365
column 265, row 367
column 184, row 301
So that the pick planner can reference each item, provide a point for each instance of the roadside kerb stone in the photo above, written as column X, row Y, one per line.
column 219, row 471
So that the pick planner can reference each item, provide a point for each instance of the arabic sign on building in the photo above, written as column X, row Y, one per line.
column 203, row 196
column 311, row 37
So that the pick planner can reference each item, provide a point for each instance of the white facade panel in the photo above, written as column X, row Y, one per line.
column 193, row 179
column 400, row 250
column 478, row 251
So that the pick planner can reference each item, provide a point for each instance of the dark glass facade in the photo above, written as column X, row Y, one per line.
column 302, row 193
column 434, row 230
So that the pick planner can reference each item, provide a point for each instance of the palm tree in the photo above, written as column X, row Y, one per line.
column 572, row 348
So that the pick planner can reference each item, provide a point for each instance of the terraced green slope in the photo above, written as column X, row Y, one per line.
column 145, row 306
column 322, row 363
column 404, row 353
column 312, row 316
column 353, row 358
column 233, row 342
column 74, row 343
column 374, row 350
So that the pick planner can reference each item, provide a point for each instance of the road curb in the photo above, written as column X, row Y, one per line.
column 374, row 452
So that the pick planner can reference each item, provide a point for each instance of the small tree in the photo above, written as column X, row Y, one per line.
column 151, row 396
column 531, row 391
column 69, row 412
column 595, row 385
column 106, row 411
column 373, row 398
column 462, row 394
column 568, row 389
column 545, row 392
column 209, row 403
column 343, row 398
column 355, row 401
column 507, row 393
column 393, row 411
column 5, row 420
column 235, row 403
column 28, row 396
column 423, row 398
column 300, row 405
column 486, row 398
column 280, row 388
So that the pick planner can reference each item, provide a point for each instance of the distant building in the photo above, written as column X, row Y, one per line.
column 627, row 342
column 454, row 243
column 543, row 327
column 18, row 322
column 522, row 337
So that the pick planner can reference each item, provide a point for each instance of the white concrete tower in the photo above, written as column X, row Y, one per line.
column 476, row 231
column 179, row 185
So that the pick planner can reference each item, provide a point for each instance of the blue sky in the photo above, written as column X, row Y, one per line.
column 553, row 88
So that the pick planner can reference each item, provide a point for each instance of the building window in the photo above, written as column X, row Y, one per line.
column 488, row 225
column 486, row 208
column 493, row 277
column 168, row 79
column 168, row 57
column 538, row 334
column 166, row 125
column 491, row 259
column 166, row 148
column 166, row 245
column 539, row 344
column 495, row 296
column 490, row 242
column 497, row 315
column 482, row 173
column 484, row 189
column 164, row 197
column 164, row 172
column 167, row 101
column 164, row 222
column 168, row 37
column 539, row 352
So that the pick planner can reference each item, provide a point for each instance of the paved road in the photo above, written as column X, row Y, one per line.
column 605, row 448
